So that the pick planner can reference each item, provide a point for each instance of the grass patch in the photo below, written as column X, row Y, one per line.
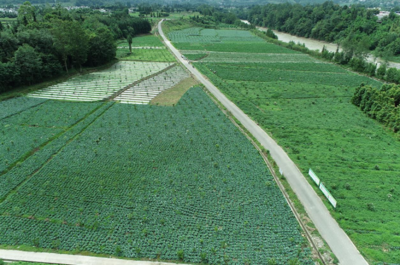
column 146, row 55
column 196, row 56
column 142, row 41
column 171, row 96
column 173, row 25
column 395, row 59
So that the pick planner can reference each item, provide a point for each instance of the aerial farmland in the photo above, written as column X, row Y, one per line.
column 112, row 173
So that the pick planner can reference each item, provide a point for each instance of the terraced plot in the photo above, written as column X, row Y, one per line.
column 100, row 85
column 173, row 183
column 306, row 107
column 145, row 91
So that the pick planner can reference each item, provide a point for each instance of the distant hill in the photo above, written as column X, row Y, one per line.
column 374, row 3
column 213, row 2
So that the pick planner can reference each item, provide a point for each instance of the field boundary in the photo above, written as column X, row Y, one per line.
column 116, row 94
column 276, row 178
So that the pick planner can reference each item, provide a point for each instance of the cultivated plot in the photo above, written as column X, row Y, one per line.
column 100, row 85
column 145, row 91
column 15, row 105
column 223, row 41
column 35, row 125
column 142, row 181
column 199, row 35
column 236, row 57
column 142, row 41
column 157, row 54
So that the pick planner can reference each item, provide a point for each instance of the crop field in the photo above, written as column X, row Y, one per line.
column 195, row 55
column 142, row 41
column 199, row 35
column 142, row 181
column 223, row 41
column 146, row 55
column 305, row 106
column 23, row 131
column 235, row 57
column 100, row 85
column 147, row 48
column 145, row 91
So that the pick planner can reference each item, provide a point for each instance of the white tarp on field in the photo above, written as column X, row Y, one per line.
column 100, row 85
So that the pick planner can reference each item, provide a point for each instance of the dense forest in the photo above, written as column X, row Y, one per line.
column 355, row 27
column 46, row 42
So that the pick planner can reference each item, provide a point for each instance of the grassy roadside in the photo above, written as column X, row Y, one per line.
column 171, row 96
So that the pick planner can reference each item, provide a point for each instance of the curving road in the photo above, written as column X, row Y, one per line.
column 329, row 229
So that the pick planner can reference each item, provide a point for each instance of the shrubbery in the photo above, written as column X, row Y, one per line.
column 380, row 104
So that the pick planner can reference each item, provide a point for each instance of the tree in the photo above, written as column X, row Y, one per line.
column 102, row 48
column 392, row 75
column 71, row 40
column 8, row 45
column 28, row 61
column 381, row 72
column 7, row 73
column 26, row 13
column 129, row 39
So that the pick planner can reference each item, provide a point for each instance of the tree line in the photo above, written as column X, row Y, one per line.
column 380, row 104
column 355, row 27
column 46, row 42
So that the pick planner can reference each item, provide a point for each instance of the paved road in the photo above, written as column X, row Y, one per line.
column 329, row 229
column 15, row 255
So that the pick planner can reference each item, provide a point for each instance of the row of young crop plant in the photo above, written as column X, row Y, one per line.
column 34, row 126
column 265, row 73
column 234, row 57
column 145, row 91
column 242, row 47
column 174, row 183
column 100, row 85
column 160, row 54
column 15, row 105
column 142, row 41
column 197, row 35
column 16, row 175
